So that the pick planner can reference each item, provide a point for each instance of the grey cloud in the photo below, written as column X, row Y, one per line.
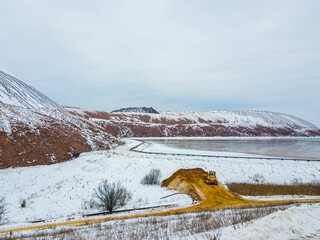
column 178, row 55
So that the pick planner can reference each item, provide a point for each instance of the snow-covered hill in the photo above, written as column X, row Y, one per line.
column 15, row 92
column 30, row 137
column 211, row 123
column 241, row 118
column 35, row 130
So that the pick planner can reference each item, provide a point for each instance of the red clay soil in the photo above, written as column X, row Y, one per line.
column 46, row 146
column 48, row 141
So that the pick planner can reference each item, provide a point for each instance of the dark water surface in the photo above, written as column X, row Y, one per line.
column 308, row 148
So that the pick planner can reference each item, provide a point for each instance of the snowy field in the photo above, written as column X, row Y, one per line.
column 62, row 190
column 275, row 223
column 294, row 223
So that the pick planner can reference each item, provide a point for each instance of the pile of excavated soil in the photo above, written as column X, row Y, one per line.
column 192, row 182
column 182, row 181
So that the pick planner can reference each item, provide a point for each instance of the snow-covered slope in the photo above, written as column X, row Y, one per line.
column 241, row 118
column 294, row 223
column 211, row 123
column 15, row 92
column 35, row 130
column 30, row 137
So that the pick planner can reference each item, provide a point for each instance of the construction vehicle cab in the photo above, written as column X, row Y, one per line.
column 211, row 178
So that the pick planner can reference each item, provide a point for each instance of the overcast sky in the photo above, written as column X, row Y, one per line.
column 172, row 55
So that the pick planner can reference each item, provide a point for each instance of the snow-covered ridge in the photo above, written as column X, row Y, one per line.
column 199, row 124
column 240, row 118
column 15, row 92
column 80, row 111
column 245, row 118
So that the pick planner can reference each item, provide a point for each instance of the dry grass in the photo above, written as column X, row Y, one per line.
column 208, row 224
column 268, row 189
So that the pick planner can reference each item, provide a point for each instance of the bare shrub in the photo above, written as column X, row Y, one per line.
column 110, row 196
column 3, row 208
column 258, row 178
column 296, row 181
column 88, row 204
column 152, row 178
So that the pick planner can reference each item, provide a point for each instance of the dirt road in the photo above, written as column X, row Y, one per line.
column 186, row 181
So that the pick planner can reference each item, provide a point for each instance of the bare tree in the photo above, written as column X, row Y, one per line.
column 111, row 196
column 3, row 208
column 152, row 178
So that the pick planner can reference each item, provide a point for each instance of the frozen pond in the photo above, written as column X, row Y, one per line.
column 308, row 148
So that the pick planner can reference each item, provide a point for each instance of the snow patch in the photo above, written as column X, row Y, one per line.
column 294, row 223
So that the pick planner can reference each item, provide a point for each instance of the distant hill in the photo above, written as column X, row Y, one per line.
column 196, row 124
column 136, row 110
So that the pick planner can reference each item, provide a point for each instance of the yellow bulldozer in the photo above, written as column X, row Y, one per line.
column 211, row 178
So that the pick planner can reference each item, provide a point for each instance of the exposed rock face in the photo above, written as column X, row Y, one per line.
column 136, row 110
column 213, row 123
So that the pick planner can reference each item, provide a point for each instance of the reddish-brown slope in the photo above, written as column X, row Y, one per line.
column 145, row 125
column 29, row 137
column 50, row 145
